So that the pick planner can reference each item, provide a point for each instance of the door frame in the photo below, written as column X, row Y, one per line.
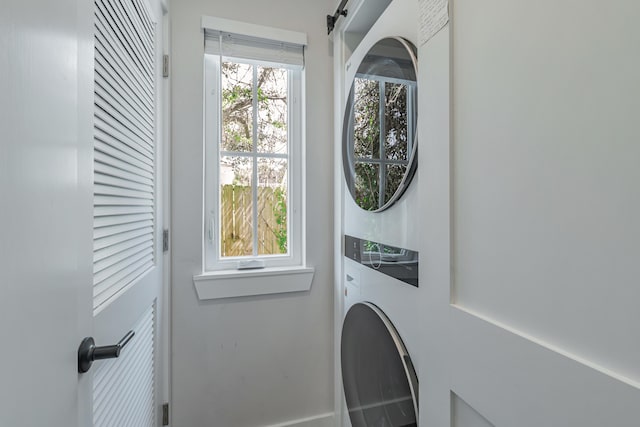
column 165, row 315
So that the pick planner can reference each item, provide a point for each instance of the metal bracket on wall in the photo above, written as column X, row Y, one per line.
column 331, row 19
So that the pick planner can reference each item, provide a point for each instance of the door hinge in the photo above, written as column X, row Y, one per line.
column 165, row 240
column 165, row 414
column 165, row 65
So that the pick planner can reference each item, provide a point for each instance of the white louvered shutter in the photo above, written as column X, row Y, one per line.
column 124, row 146
column 124, row 388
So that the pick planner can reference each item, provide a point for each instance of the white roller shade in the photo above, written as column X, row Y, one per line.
column 254, row 43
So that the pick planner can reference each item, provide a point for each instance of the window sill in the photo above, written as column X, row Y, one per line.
column 244, row 283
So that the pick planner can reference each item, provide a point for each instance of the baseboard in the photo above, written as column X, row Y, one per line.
column 322, row 420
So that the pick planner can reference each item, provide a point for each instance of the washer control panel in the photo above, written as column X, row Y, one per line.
column 399, row 263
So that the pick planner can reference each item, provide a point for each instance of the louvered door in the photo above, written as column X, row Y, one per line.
column 133, row 375
column 127, row 256
column 124, row 148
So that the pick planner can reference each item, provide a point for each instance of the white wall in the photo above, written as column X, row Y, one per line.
column 257, row 360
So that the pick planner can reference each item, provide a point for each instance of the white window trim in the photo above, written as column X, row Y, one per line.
column 243, row 283
column 282, row 273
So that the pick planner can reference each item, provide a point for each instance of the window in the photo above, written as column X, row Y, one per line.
column 253, row 148
column 379, row 133
column 383, row 137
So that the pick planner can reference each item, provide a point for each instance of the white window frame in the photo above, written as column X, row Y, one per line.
column 213, row 260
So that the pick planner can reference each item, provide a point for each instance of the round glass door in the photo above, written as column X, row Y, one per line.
column 380, row 384
column 379, row 130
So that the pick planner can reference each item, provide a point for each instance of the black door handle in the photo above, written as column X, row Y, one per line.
column 88, row 352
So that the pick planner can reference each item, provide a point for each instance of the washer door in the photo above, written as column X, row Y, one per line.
column 380, row 383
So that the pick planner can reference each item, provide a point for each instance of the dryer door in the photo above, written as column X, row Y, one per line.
column 380, row 384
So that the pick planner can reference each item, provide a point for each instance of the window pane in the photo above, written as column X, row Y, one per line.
column 395, row 141
column 366, row 116
column 272, row 110
column 272, row 206
column 236, row 204
column 367, row 185
column 237, row 107
column 394, row 176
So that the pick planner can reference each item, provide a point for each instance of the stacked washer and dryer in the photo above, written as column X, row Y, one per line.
column 379, row 285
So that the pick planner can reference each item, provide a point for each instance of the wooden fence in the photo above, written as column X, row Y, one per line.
column 237, row 219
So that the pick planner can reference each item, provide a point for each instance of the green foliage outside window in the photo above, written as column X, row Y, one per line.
column 255, row 139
